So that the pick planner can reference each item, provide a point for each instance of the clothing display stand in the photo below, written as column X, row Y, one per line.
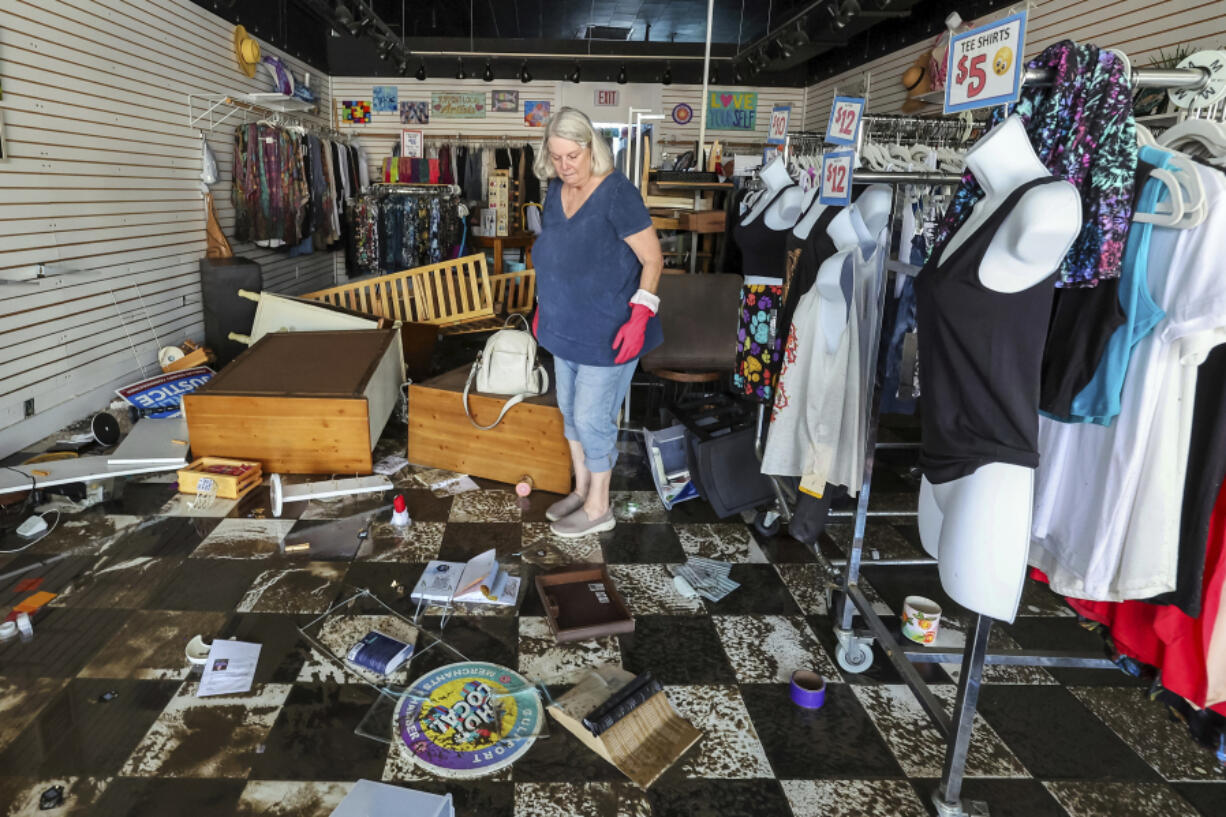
column 854, row 651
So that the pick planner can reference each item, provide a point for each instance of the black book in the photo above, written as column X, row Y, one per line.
column 621, row 703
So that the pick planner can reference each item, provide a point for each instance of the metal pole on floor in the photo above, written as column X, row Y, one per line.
column 948, row 798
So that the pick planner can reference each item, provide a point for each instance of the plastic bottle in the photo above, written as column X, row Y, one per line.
column 525, row 485
column 400, row 512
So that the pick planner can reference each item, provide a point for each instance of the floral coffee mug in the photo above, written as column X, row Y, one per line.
column 921, row 619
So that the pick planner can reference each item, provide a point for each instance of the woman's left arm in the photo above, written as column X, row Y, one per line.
column 646, row 246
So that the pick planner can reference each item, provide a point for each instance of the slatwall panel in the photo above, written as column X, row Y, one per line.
column 692, row 95
column 1141, row 28
column 383, row 132
column 104, row 177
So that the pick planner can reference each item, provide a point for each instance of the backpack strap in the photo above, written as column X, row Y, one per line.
column 507, row 406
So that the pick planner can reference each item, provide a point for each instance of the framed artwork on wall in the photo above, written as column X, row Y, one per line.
column 505, row 101
column 412, row 144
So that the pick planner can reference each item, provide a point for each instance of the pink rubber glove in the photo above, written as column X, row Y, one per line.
column 536, row 322
column 632, row 334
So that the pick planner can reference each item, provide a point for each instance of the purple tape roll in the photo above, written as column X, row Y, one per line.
column 808, row 689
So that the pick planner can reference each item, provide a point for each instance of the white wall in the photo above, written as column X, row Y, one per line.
column 1141, row 28
column 104, row 177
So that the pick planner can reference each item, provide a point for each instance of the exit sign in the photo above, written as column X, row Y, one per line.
column 606, row 98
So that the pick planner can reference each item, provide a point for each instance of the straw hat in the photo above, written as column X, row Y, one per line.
column 918, row 81
column 247, row 50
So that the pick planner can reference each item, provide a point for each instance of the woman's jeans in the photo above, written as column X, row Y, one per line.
column 589, row 398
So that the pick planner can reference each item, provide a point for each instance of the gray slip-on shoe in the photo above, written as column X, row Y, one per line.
column 577, row 524
column 564, row 507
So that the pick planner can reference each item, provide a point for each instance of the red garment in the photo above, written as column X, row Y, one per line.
column 433, row 171
column 1164, row 636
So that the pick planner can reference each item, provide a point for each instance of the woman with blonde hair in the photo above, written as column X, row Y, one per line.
column 598, row 263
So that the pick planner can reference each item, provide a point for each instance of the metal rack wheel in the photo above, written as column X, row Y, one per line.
column 857, row 659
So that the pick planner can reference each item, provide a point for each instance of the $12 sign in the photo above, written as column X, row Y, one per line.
column 837, row 171
column 844, row 122
column 985, row 65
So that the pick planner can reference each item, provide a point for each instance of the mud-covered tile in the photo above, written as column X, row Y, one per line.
column 1006, row 797
column 956, row 627
column 64, row 640
column 87, row 533
column 89, row 728
column 677, row 650
column 192, row 505
column 765, row 649
column 115, row 582
column 1059, row 633
column 640, row 507
column 542, row 548
column 565, row 800
column 466, row 638
column 648, row 590
column 562, row 757
column 163, row 537
column 307, row 589
column 464, row 540
column 206, row 584
column 1039, row 600
column 727, row 542
column 678, row 797
column 149, row 797
column 1208, row 798
column 313, row 737
column 1145, row 726
column 729, row 748
column 343, row 507
column 217, row 736
column 151, row 645
column 1082, row 798
column 21, row 794
column 642, row 543
column 852, row 798
column 283, row 650
column 761, row 591
column 881, row 541
column 337, row 633
column 541, row 658
column 291, row 798
column 419, row 542
column 20, row 702
column 836, row 741
column 485, row 506
column 1056, row 737
column 807, row 584
column 244, row 539
column 917, row 744
column 143, row 498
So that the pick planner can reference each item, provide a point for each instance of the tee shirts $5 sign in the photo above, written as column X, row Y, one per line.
column 837, row 168
column 844, row 122
column 985, row 65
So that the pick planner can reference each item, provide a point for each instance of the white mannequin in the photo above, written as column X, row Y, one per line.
column 811, row 210
column 978, row 526
column 780, row 213
column 856, row 227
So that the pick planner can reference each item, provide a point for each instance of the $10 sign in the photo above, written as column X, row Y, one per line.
column 844, row 121
column 836, row 178
column 985, row 65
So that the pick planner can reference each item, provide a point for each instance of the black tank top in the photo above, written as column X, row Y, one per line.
column 980, row 353
column 763, row 250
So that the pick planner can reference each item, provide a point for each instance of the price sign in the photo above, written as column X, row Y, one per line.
column 778, row 134
column 844, row 122
column 836, row 178
column 985, row 65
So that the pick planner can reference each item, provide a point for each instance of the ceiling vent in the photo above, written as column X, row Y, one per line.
column 619, row 33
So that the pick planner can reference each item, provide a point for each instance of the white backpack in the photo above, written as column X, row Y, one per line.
column 507, row 366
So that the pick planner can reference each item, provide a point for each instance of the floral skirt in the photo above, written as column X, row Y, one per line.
column 759, row 344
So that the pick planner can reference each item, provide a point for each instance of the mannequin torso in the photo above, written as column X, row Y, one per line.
column 777, row 211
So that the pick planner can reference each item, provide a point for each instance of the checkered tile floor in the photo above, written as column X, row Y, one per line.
column 139, row 576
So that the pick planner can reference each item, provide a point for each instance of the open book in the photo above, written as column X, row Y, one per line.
column 480, row 580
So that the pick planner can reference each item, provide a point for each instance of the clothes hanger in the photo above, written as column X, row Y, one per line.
column 1163, row 217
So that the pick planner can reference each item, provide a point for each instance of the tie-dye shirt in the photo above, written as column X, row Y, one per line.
column 1082, row 130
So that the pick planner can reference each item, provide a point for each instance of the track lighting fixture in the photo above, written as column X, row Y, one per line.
column 785, row 49
column 714, row 79
column 843, row 12
column 459, row 74
column 385, row 49
column 402, row 65
column 488, row 75
column 667, row 77
column 421, row 71
column 574, row 75
column 737, row 77
column 621, row 75
column 524, row 74
column 356, row 25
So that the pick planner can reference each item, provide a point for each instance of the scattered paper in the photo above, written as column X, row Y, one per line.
column 230, row 668
column 390, row 465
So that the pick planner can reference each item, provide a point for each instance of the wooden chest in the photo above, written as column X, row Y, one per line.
column 300, row 402
column 528, row 441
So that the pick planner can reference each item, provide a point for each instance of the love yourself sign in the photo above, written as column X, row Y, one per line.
column 728, row 110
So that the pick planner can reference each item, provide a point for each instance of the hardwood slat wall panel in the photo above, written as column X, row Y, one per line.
column 672, row 95
column 103, row 183
column 1141, row 28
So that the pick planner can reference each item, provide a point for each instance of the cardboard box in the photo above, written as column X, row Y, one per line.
column 704, row 221
column 583, row 603
column 644, row 743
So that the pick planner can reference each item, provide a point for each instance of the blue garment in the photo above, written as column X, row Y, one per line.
column 586, row 273
column 1099, row 401
column 589, row 398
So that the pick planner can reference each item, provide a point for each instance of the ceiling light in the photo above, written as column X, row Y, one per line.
column 524, row 74
column 488, row 76
column 785, row 49
column 667, row 77
column 737, row 77
column 385, row 49
column 621, row 75
column 798, row 38
column 574, row 75
column 402, row 65
column 459, row 74
column 844, row 12
column 421, row 71
column 714, row 74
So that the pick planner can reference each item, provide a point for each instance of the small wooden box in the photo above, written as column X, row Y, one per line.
column 573, row 609
column 300, row 402
column 229, row 486
column 529, row 439
column 703, row 221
